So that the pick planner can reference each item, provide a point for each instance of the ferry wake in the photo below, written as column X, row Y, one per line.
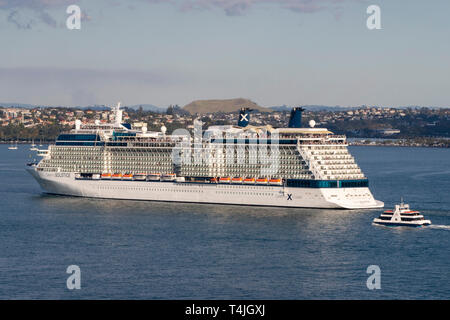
column 229, row 164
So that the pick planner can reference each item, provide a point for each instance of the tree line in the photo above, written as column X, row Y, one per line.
column 44, row 133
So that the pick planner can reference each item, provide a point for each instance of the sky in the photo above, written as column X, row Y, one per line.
column 274, row 52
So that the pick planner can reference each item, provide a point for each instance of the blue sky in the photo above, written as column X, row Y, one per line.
column 274, row 52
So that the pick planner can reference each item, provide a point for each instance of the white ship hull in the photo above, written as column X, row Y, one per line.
column 403, row 223
column 64, row 183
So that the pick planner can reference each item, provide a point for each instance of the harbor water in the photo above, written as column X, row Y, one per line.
column 153, row 250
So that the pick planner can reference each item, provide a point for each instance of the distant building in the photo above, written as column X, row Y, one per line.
column 389, row 132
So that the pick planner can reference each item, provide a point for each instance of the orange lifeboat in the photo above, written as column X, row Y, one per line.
column 106, row 175
column 261, row 181
column 127, row 176
column 249, row 180
column 117, row 176
column 236, row 180
column 224, row 180
column 275, row 181
column 213, row 180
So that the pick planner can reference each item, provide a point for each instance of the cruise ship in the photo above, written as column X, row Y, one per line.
column 238, row 164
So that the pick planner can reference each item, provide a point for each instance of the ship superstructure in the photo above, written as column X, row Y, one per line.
column 229, row 164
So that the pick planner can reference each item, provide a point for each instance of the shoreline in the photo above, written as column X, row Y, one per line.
column 426, row 143
column 395, row 145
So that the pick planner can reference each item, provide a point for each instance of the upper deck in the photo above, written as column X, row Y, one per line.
column 227, row 150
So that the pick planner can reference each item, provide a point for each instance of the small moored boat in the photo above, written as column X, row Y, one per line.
column 13, row 147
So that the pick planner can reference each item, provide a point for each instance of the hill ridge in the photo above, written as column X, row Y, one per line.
column 222, row 105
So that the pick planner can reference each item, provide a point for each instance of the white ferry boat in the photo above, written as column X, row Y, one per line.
column 230, row 164
column 402, row 215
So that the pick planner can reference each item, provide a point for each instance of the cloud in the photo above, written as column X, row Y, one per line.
column 19, row 21
column 25, row 14
column 73, row 76
column 48, row 19
column 34, row 4
column 81, row 85
column 240, row 7
column 38, row 10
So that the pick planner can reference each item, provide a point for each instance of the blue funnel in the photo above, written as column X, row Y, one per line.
column 244, row 117
column 295, row 120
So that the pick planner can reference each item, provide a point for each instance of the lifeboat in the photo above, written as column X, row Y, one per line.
column 275, row 181
column 127, row 176
column 224, row 180
column 95, row 176
column 213, row 180
column 168, row 177
column 249, row 180
column 106, row 176
column 140, row 177
column 261, row 181
column 117, row 176
column 153, row 177
column 236, row 180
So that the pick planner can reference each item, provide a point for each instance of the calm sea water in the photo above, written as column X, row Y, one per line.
column 150, row 250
